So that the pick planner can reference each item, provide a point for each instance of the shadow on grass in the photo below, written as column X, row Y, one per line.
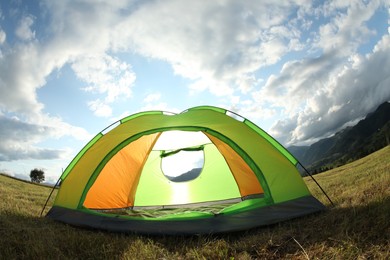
column 352, row 231
column 29, row 237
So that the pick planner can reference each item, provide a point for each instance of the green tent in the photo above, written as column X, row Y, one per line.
column 205, row 170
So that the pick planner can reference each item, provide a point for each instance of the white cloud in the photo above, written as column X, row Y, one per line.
column 388, row 20
column 105, row 75
column 100, row 108
column 152, row 101
column 346, row 31
column 219, row 45
column 210, row 41
column 18, row 139
column 216, row 87
column 254, row 111
column 217, row 51
column 158, row 106
column 321, row 94
column 153, row 97
column 24, row 31
column 23, row 71
column 25, row 66
column 222, row 52
column 3, row 36
column 59, row 127
column 352, row 90
column 247, row 83
column 21, row 137
column 21, row 75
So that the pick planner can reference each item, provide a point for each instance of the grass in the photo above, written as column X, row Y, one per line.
column 356, row 228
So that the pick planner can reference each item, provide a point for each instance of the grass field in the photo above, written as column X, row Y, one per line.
column 356, row 228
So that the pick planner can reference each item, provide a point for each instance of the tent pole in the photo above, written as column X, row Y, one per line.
column 311, row 176
column 55, row 185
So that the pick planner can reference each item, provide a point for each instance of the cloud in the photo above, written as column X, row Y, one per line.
column 351, row 91
column 298, row 81
column 100, row 108
column 23, row 31
column 25, row 64
column 21, row 76
column 23, row 70
column 107, row 75
column 160, row 106
column 212, row 43
column 220, row 46
column 154, row 102
column 75, row 34
column 153, row 97
column 346, row 31
column 18, row 139
column 334, row 85
column 3, row 36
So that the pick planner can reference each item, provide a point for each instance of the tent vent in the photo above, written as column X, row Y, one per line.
column 168, row 113
column 110, row 127
column 235, row 116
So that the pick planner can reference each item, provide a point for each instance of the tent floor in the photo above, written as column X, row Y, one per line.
column 145, row 212
column 220, row 223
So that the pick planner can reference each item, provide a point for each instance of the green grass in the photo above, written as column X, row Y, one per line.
column 356, row 228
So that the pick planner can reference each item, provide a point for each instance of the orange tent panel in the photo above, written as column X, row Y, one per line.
column 247, row 182
column 115, row 187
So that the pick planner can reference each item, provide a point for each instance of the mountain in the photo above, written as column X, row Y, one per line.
column 367, row 136
column 190, row 175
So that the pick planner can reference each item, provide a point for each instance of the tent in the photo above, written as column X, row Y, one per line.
column 205, row 170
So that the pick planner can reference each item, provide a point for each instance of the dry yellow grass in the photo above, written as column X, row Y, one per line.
column 356, row 228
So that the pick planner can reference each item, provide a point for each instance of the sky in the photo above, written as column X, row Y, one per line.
column 299, row 69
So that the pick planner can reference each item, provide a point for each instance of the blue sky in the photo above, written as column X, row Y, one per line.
column 301, row 70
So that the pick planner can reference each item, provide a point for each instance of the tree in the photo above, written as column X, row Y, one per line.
column 37, row 175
